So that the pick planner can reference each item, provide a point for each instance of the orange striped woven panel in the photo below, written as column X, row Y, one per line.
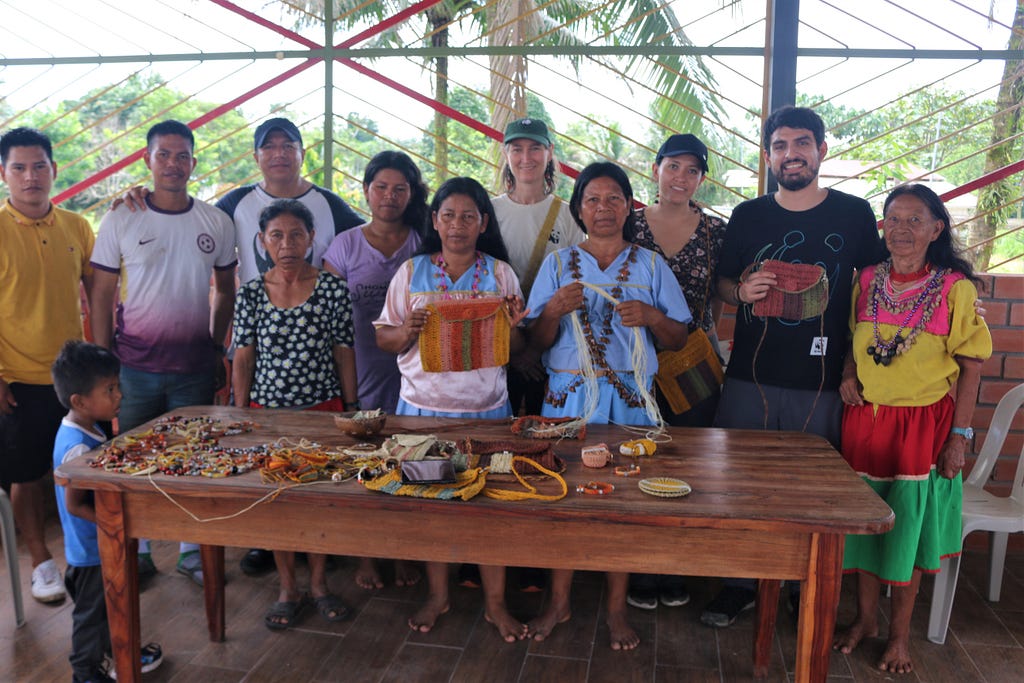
column 465, row 334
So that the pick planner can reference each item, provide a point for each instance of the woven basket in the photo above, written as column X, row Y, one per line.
column 362, row 427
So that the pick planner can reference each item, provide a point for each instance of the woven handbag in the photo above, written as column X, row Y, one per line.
column 465, row 334
column 466, row 485
column 800, row 292
column 690, row 375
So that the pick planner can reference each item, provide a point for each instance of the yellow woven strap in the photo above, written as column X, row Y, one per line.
column 531, row 491
column 540, row 246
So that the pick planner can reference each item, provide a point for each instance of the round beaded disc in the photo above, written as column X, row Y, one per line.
column 664, row 487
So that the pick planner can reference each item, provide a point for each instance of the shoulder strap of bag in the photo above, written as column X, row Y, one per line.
column 538, row 247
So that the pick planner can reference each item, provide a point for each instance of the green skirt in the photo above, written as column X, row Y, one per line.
column 928, row 528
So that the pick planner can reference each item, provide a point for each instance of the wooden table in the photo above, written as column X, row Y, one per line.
column 773, row 505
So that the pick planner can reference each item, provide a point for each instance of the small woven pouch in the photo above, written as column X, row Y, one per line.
column 800, row 292
column 538, row 451
column 465, row 334
column 538, row 427
column 690, row 375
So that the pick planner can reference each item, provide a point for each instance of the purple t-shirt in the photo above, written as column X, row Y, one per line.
column 368, row 273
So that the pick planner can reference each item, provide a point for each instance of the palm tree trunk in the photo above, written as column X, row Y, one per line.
column 439, row 19
column 1005, row 125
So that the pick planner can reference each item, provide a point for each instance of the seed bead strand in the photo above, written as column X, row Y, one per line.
column 884, row 351
column 443, row 278
column 597, row 345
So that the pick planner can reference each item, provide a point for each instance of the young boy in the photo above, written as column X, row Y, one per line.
column 85, row 377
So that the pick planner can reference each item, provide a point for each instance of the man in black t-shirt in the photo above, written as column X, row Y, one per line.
column 800, row 223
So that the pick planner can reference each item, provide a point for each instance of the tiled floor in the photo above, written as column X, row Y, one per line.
column 984, row 644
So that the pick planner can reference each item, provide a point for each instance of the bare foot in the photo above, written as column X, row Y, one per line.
column 367, row 575
column 426, row 616
column 541, row 627
column 623, row 637
column 510, row 628
column 406, row 574
column 896, row 658
column 847, row 640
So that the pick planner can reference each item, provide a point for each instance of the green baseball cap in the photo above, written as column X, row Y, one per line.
column 531, row 129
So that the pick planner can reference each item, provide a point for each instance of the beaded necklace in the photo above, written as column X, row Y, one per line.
column 597, row 345
column 443, row 277
column 883, row 351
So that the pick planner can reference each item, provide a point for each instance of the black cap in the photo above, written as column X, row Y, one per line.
column 684, row 144
column 270, row 125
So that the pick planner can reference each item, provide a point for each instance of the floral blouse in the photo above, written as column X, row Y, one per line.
column 294, row 346
column 694, row 266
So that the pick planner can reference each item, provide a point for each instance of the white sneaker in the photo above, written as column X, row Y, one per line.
column 47, row 584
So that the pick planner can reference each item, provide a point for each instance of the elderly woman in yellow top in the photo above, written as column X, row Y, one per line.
column 915, row 334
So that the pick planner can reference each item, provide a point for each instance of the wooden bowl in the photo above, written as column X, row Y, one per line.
column 362, row 427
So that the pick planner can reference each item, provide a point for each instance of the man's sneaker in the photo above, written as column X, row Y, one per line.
column 642, row 598
column 727, row 605
column 674, row 595
column 151, row 656
column 191, row 565
column 47, row 585
column 256, row 562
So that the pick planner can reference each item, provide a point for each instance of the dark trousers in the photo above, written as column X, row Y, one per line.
column 90, row 633
column 525, row 394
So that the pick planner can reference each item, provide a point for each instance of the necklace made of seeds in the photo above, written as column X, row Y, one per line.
column 883, row 351
column 443, row 278
column 598, row 344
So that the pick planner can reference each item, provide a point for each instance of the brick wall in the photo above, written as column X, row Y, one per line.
column 1004, row 313
column 1004, row 305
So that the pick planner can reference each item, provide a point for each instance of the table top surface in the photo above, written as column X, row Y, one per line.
column 741, row 479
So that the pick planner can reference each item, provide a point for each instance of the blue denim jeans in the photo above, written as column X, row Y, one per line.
column 150, row 394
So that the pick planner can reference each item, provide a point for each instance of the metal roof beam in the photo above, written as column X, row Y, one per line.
column 525, row 50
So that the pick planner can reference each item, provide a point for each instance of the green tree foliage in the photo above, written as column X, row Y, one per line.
column 469, row 152
column 932, row 129
column 107, row 124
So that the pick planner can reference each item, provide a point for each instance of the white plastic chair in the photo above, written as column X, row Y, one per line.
column 983, row 511
column 11, row 552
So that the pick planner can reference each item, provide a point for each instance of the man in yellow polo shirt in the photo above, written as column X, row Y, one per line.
column 45, row 256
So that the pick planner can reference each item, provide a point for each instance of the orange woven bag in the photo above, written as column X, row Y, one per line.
column 465, row 334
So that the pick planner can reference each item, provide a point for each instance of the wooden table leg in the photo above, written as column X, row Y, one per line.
column 212, row 557
column 119, row 556
column 819, row 602
column 764, row 631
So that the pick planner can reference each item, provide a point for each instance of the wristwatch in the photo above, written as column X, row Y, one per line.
column 966, row 432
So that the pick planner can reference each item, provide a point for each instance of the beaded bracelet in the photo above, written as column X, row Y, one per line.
column 631, row 471
column 595, row 488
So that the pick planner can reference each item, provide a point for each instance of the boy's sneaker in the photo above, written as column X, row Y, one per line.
column 642, row 598
column 727, row 605
column 47, row 585
column 151, row 656
column 674, row 595
column 191, row 565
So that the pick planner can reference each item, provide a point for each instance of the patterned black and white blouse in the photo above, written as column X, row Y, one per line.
column 694, row 266
column 294, row 346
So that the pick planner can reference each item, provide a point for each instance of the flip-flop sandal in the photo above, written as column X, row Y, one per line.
column 282, row 615
column 331, row 607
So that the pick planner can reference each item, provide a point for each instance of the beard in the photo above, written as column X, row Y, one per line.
column 796, row 181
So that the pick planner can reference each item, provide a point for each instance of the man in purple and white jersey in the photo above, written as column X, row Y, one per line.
column 169, row 333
